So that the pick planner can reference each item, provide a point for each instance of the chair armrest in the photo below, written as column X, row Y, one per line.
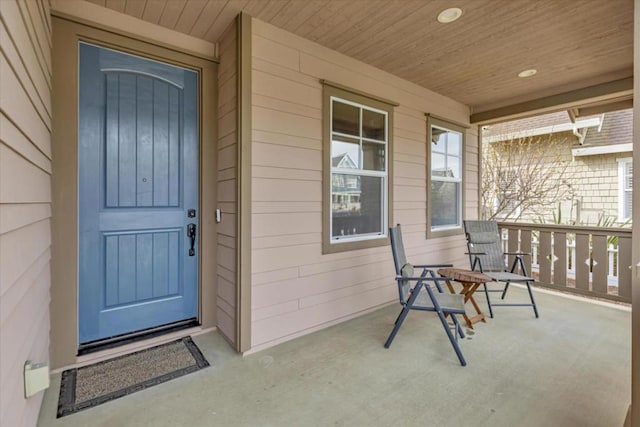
column 433, row 266
column 518, row 253
column 475, row 253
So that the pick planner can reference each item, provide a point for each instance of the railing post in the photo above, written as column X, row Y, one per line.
column 624, row 264
column 583, row 261
column 560, row 255
column 513, row 243
column 525, row 246
column 544, row 260
column 600, row 267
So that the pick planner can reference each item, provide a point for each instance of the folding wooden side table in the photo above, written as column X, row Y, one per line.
column 470, row 281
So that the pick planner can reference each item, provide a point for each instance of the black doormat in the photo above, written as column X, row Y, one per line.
column 92, row 385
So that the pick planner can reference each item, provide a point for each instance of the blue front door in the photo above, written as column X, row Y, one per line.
column 138, row 194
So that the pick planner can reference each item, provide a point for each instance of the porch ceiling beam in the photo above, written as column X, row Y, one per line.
column 603, row 108
column 614, row 91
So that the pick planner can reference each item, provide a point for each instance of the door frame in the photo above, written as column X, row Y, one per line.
column 64, row 227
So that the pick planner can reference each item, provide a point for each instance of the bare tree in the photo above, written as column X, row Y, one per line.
column 524, row 177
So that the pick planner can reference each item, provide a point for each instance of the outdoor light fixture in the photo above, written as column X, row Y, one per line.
column 527, row 73
column 449, row 15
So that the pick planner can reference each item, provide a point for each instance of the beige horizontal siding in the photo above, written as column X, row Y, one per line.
column 295, row 287
column 25, row 200
column 227, row 184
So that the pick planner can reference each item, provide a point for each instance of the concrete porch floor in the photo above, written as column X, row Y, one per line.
column 570, row 367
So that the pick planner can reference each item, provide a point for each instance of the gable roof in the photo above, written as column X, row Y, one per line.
column 616, row 128
column 343, row 161
column 538, row 125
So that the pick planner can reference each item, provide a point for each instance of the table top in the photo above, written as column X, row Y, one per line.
column 462, row 275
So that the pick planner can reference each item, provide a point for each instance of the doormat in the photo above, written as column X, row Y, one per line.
column 92, row 385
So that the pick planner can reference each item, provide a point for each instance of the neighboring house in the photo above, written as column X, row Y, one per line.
column 591, row 157
column 345, row 195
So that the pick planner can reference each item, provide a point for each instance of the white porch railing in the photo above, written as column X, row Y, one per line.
column 584, row 260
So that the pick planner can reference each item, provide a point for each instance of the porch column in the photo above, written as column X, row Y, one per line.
column 635, row 255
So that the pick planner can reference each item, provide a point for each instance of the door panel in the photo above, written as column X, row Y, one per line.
column 138, row 177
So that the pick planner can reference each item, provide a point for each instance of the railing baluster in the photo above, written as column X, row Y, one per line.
column 560, row 256
column 513, row 244
column 583, row 260
column 624, row 262
column 600, row 267
column 544, row 260
column 525, row 246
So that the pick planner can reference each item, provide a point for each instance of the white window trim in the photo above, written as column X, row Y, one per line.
column 434, row 231
column 622, row 170
column 362, row 172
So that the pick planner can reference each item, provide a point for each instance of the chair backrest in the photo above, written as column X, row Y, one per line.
column 403, row 268
column 484, row 237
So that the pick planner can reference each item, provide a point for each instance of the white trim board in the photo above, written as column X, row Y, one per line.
column 545, row 130
column 602, row 149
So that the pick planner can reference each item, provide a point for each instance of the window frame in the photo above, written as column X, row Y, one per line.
column 447, row 125
column 623, row 192
column 361, row 100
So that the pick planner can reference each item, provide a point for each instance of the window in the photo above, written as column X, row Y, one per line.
column 445, row 165
column 625, row 188
column 357, row 166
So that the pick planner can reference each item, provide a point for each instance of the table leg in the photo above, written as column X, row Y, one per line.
column 469, row 297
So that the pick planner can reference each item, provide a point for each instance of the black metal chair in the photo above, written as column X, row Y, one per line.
column 422, row 296
column 486, row 255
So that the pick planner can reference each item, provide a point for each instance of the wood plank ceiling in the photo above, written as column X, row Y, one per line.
column 474, row 60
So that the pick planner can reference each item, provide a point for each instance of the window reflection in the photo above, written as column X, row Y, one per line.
column 359, row 171
column 346, row 118
column 446, row 178
column 356, row 205
column 373, row 125
column 374, row 155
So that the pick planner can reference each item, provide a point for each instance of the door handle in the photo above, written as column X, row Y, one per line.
column 191, row 233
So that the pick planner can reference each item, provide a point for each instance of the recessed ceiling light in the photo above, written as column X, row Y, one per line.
column 527, row 73
column 449, row 15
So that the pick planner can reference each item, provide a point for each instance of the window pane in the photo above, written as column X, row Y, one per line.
column 438, row 139
column 454, row 143
column 359, row 207
column 374, row 155
column 346, row 118
column 437, row 165
column 453, row 167
column 345, row 153
column 628, row 204
column 373, row 125
column 445, row 198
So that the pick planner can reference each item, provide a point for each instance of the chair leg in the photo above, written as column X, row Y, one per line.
column 457, row 325
column 486, row 292
column 504, row 292
column 396, row 327
column 453, row 340
column 535, row 308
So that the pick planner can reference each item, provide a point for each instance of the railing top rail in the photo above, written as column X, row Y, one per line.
column 609, row 231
